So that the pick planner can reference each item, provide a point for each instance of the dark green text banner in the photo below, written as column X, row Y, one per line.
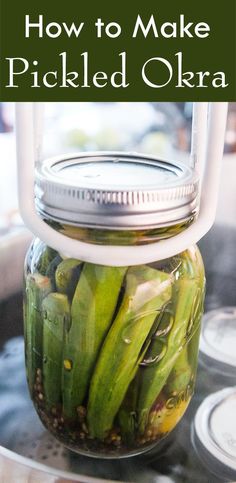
column 149, row 50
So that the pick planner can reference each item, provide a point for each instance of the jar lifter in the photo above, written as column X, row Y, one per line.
column 208, row 131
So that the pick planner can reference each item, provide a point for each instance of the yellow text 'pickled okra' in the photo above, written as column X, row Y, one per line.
column 56, row 316
column 147, row 291
column 37, row 288
column 92, row 309
column 155, row 377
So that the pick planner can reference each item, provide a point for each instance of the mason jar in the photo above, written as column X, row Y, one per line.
column 111, row 351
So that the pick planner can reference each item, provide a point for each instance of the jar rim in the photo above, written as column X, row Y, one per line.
column 120, row 191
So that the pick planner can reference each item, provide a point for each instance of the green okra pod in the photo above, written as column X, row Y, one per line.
column 127, row 413
column 45, row 259
column 147, row 291
column 154, row 381
column 37, row 288
column 67, row 275
column 92, row 310
column 185, row 367
column 193, row 348
column 56, row 315
column 51, row 270
column 181, row 373
column 191, row 266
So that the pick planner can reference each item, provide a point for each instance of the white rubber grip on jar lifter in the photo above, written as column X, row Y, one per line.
column 207, row 151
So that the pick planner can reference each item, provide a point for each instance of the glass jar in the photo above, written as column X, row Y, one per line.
column 111, row 351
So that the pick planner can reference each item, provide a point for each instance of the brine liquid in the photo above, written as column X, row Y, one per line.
column 160, row 385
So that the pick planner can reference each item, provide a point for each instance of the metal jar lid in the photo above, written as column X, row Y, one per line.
column 218, row 341
column 214, row 433
column 115, row 190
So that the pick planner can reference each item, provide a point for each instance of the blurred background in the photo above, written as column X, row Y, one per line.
column 162, row 129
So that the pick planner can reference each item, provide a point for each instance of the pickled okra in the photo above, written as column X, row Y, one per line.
column 51, row 270
column 48, row 256
column 156, row 350
column 37, row 287
column 181, row 373
column 56, row 316
column 147, row 290
column 66, row 276
column 127, row 413
column 92, row 309
column 153, row 382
